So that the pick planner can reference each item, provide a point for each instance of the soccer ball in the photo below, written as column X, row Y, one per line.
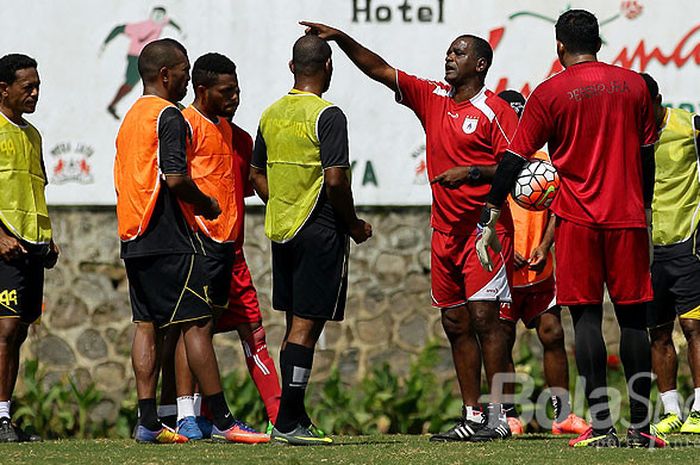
column 536, row 186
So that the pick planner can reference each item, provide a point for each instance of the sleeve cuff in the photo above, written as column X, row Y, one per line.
column 398, row 96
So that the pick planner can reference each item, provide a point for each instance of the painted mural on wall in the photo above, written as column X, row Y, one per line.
column 91, row 79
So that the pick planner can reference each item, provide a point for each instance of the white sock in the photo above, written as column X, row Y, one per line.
column 502, row 414
column 168, row 410
column 696, row 401
column 475, row 415
column 671, row 401
column 197, row 404
column 5, row 408
column 185, row 407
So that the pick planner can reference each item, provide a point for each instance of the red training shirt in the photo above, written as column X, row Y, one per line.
column 242, row 154
column 595, row 118
column 473, row 132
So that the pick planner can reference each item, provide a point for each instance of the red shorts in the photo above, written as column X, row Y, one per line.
column 243, row 306
column 589, row 258
column 530, row 302
column 457, row 276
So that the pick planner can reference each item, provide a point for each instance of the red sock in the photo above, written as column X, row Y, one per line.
column 262, row 370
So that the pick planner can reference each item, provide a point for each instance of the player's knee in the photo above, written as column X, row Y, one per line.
column 662, row 338
column 256, row 337
column 551, row 336
column 484, row 323
column 454, row 324
column 10, row 332
column 203, row 327
column 691, row 329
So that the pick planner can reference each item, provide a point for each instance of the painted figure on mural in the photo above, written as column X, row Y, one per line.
column 140, row 34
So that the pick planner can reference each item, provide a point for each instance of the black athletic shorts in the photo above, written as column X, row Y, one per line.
column 22, row 288
column 676, row 285
column 218, row 270
column 310, row 273
column 168, row 289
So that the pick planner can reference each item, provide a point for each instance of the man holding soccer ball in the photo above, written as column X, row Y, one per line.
column 599, row 123
column 534, row 298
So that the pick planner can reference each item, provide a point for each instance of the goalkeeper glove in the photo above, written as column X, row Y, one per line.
column 488, row 237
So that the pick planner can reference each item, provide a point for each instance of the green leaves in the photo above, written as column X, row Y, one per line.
column 385, row 402
column 54, row 409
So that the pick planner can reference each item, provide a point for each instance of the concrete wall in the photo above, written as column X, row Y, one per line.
column 86, row 329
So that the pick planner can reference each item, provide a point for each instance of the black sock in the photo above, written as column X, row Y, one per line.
column 510, row 410
column 591, row 360
column 635, row 354
column 148, row 414
column 219, row 411
column 295, row 365
column 170, row 420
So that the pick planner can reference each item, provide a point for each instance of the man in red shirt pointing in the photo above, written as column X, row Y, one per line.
column 466, row 127
column 599, row 123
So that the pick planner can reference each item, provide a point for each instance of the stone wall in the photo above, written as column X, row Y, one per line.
column 86, row 329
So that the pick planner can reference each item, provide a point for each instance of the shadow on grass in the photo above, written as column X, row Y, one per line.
column 679, row 443
column 541, row 437
column 367, row 442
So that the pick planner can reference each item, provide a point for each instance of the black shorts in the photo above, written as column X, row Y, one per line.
column 22, row 288
column 676, row 285
column 310, row 273
column 218, row 270
column 168, row 289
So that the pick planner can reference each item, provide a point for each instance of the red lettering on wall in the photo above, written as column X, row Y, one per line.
column 641, row 58
column 684, row 52
column 495, row 36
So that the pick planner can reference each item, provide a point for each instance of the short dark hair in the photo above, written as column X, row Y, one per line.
column 159, row 8
column 481, row 47
column 10, row 64
column 578, row 31
column 652, row 85
column 208, row 67
column 158, row 54
column 310, row 54
column 515, row 99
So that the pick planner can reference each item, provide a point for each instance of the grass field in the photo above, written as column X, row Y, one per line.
column 528, row 449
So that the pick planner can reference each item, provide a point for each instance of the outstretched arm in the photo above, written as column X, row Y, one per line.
column 115, row 32
column 366, row 60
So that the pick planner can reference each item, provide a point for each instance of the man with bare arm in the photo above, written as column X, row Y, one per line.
column 466, row 127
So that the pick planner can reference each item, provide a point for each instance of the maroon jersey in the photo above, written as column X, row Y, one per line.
column 595, row 118
column 242, row 154
column 473, row 132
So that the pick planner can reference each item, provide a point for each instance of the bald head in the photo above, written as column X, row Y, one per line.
column 163, row 53
column 310, row 54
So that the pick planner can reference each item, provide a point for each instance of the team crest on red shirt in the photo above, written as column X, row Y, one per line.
column 470, row 124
